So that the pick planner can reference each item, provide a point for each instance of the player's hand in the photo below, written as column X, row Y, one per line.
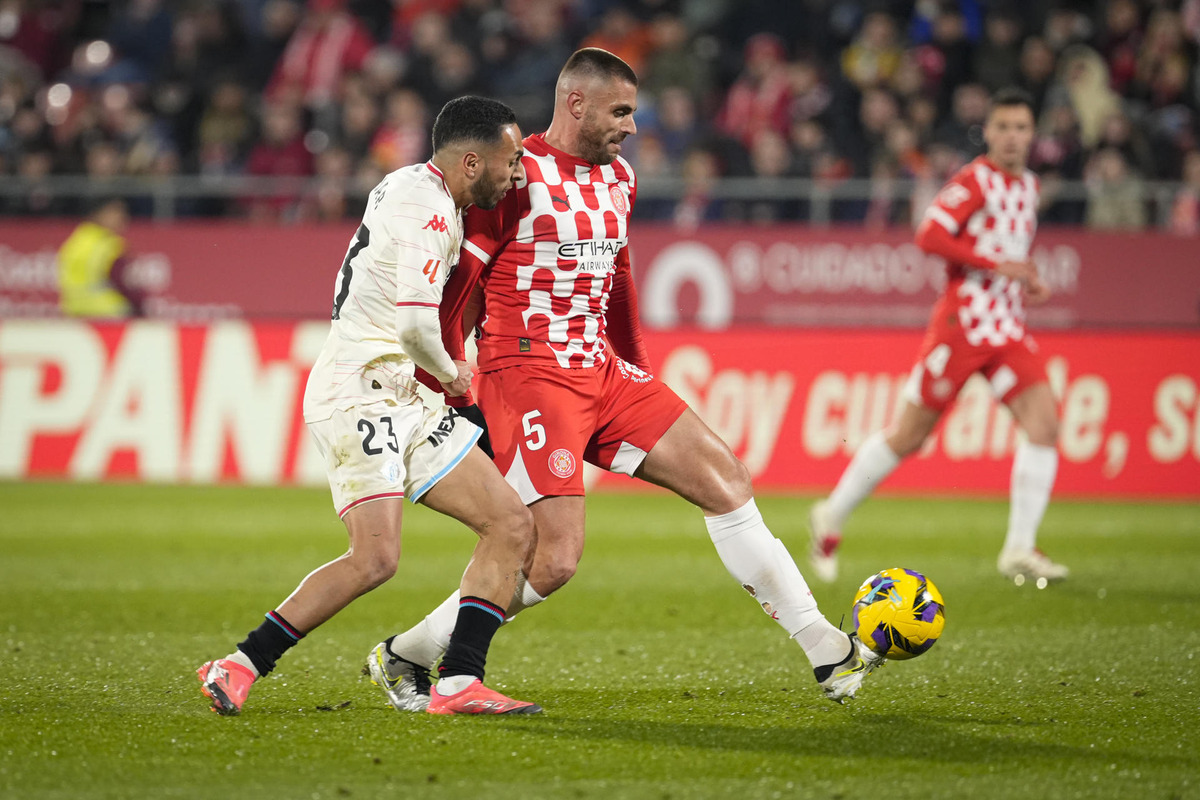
column 1036, row 291
column 460, row 385
column 1017, row 270
column 472, row 414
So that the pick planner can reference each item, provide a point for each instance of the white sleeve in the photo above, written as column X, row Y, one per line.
column 420, row 332
column 422, row 235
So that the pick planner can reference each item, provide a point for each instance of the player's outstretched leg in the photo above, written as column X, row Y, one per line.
column 693, row 462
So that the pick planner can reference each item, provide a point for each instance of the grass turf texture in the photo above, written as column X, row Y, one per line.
column 660, row 677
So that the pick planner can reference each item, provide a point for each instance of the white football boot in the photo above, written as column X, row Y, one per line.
column 409, row 689
column 845, row 679
column 1030, row 565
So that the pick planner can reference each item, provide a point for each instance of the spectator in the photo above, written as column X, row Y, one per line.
column 35, row 32
column 141, row 34
column 1119, row 132
column 759, row 99
column 997, row 60
column 280, row 153
column 878, row 111
column 327, row 199
column 810, row 95
column 1115, row 194
column 226, row 130
column 673, row 60
column 677, row 125
column 950, row 37
column 921, row 113
column 328, row 43
column 770, row 160
column 873, row 57
column 696, row 205
column 1082, row 83
column 1120, row 40
column 963, row 130
column 622, row 34
column 276, row 21
column 810, row 144
column 1036, row 70
column 525, row 72
column 1185, row 211
column 358, row 122
column 403, row 138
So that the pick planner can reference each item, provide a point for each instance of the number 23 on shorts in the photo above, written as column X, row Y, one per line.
column 370, row 445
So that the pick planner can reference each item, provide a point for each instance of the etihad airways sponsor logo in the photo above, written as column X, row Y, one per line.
column 591, row 248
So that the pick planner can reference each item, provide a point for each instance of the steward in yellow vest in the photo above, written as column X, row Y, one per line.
column 91, row 266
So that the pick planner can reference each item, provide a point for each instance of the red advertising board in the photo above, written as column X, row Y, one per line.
column 723, row 276
column 159, row 401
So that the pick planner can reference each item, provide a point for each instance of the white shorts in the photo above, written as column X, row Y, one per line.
column 389, row 449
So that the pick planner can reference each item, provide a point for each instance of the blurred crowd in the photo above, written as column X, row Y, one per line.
column 343, row 91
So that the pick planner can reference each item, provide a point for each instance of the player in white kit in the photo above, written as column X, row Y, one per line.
column 381, row 442
column 982, row 222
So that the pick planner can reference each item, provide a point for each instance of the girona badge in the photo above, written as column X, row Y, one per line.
column 562, row 463
column 618, row 200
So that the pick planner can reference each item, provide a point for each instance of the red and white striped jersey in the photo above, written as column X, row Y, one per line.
column 401, row 255
column 550, row 253
column 992, row 217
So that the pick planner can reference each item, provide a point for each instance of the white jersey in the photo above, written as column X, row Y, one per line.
column 400, row 256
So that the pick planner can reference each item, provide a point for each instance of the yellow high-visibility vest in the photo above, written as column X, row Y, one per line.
column 85, row 263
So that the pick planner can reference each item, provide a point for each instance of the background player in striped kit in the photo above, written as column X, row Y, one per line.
column 379, row 439
column 565, row 375
column 982, row 222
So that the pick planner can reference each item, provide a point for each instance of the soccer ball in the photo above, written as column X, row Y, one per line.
column 899, row 613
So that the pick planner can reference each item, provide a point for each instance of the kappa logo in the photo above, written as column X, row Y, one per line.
column 436, row 224
column 562, row 463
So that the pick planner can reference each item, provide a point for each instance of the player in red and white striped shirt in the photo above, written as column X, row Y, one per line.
column 381, row 442
column 982, row 222
column 566, row 378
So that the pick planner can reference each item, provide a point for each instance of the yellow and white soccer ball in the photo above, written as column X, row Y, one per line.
column 899, row 613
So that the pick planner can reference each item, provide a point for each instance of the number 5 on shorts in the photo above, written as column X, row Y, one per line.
column 535, row 433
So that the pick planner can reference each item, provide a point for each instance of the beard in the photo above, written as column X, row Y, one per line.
column 487, row 194
column 594, row 143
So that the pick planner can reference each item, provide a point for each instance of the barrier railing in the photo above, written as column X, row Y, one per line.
column 817, row 202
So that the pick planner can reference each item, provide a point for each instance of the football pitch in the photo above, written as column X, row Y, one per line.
column 659, row 675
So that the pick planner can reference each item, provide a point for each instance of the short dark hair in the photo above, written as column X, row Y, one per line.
column 1012, row 96
column 471, row 119
column 594, row 62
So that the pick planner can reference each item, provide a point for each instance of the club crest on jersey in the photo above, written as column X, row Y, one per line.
column 436, row 224
column 618, row 200
column 562, row 463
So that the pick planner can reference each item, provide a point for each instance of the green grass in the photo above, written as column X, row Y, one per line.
column 659, row 676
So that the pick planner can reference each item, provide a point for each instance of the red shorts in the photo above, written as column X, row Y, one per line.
column 947, row 360
column 544, row 421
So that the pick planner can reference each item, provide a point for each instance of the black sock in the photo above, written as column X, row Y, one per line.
column 478, row 621
column 266, row 643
